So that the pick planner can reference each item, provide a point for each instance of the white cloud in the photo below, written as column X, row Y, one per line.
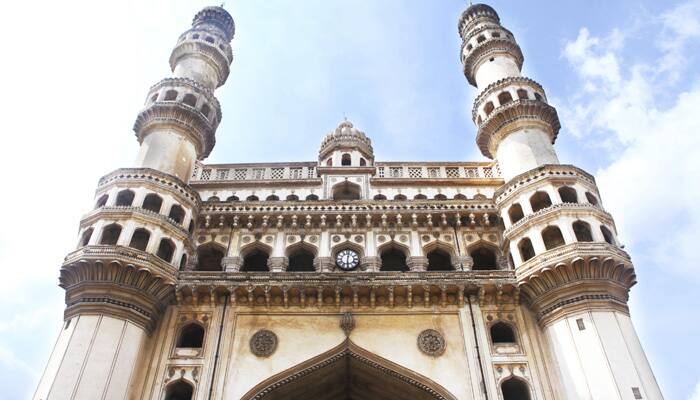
column 696, row 393
column 648, row 129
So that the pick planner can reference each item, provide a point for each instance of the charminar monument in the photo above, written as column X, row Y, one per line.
column 347, row 277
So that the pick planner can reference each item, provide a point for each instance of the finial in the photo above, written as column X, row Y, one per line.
column 223, row 3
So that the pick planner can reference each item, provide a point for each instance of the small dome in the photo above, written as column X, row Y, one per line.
column 476, row 11
column 216, row 17
column 346, row 136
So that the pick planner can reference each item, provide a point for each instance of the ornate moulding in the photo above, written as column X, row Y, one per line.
column 263, row 343
column 526, row 180
column 553, row 212
column 147, row 177
column 431, row 342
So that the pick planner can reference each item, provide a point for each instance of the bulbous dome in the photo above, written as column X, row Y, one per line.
column 215, row 17
column 346, row 136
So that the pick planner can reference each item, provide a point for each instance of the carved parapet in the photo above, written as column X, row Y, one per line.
column 553, row 212
column 417, row 263
column 176, row 230
column 501, row 85
column 555, row 173
column 575, row 277
column 514, row 116
column 462, row 262
column 117, row 281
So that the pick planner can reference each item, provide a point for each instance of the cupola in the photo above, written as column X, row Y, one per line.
column 346, row 146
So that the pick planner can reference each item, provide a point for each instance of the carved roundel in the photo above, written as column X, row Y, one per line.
column 431, row 342
column 263, row 343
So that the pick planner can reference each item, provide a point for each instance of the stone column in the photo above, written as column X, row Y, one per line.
column 232, row 264
column 370, row 264
column 417, row 263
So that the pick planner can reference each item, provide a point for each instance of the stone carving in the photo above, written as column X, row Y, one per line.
column 347, row 323
column 263, row 343
column 431, row 342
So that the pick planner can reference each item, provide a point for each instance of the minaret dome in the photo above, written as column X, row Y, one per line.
column 346, row 146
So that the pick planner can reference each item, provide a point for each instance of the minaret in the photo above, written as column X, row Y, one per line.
column 571, row 271
column 516, row 125
column 122, row 275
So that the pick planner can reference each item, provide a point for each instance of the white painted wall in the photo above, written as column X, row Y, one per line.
column 524, row 150
column 167, row 151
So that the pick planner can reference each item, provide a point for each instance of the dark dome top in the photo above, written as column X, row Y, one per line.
column 477, row 10
column 217, row 17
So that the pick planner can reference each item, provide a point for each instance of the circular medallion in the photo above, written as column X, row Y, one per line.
column 347, row 259
column 263, row 343
column 431, row 342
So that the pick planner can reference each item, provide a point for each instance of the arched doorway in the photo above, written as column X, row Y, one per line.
column 348, row 372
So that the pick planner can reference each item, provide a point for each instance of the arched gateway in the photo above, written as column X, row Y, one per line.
column 348, row 372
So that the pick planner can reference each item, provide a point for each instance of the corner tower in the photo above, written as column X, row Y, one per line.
column 122, row 275
column 569, row 267
column 515, row 124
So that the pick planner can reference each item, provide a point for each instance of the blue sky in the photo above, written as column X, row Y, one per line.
column 624, row 76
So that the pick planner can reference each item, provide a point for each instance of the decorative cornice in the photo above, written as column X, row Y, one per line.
column 189, row 121
column 134, row 177
column 493, row 128
column 502, row 84
column 486, row 49
column 121, row 282
column 553, row 212
column 569, row 252
column 192, row 85
column 544, row 172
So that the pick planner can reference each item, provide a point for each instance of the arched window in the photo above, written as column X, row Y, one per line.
column 393, row 260
column 526, row 249
column 125, row 198
column 171, row 95
column 591, row 198
column 439, row 260
column 505, row 98
column 363, row 162
column 539, row 201
column 205, row 110
column 312, row 197
column 515, row 389
column 139, row 240
column 190, row 99
column 346, row 191
column 166, row 248
column 480, row 39
column 191, row 336
column 502, row 333
column 484, row 259
column 101, row 201
column 568, row 194
column 255, row 261
column 232, row 198
column 110, row 234
column 292, row 197
column 488, row 108
column 479, row 120
column 515, row 212
column 495, row 34
column 85, row 238
column 177, row 213
column 440, row 197
column 153, row 202
column 209, row 258
column 522, row 94
column 301, row 260
column 345, row 160
column 420, row 196
column 329, row 162
column 272, row 197
column 154, row 97
column 380, row 197
column 179, row 390
column 183, row 262
column 552, row 237
column 252, row 197
column 190, row 227
column 607, row 235
column 460, row 196
column 582, row 231
column 538, row 97
column 400, row 197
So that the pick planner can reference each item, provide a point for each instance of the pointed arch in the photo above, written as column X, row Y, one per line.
column 484, row 255
column 342, row 362
column 209, row 256
column 301, row 257
column 436, row 247
column 254, row 255
column 394, row 256
column 346, row 190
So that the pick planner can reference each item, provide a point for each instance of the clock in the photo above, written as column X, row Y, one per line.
column 347, row 260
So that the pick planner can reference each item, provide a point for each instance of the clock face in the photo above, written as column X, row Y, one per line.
column 347, row 260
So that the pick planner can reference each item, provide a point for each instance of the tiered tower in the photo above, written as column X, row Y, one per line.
column 122, row 276
column 562, row 242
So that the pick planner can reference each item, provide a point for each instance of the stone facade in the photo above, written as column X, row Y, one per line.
column 348, row 277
